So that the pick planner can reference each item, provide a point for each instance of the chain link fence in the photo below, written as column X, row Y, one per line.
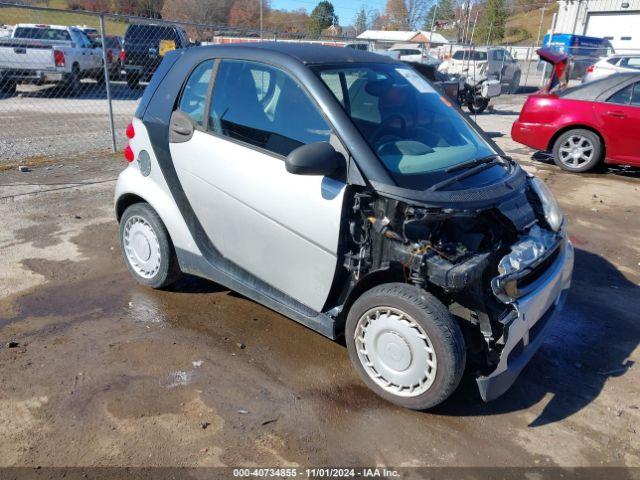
column 70, row 81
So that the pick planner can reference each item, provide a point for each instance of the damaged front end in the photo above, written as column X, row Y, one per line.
column 501, row 270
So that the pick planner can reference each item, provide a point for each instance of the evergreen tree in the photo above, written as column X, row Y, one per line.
column 491, row 24
column 445, row 10
column 322, row 16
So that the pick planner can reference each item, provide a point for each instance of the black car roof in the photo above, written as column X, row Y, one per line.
column 600, row 88
column 307, row 53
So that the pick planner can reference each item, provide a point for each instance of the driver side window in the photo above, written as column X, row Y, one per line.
column 194, row 95
column 263, row 106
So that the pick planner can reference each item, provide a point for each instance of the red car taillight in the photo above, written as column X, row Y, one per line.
column 128, row 151
column 591, row 68
column 58, row 58
column 123, row 55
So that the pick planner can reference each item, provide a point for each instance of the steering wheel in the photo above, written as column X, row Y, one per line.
column 384, row 126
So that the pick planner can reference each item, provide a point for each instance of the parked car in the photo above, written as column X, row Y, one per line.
column 113, row 47
column 582, row 49
column 48, row 54
column 586, row 125
column 485, row 63
column 144, row 46
column 448, row 85
column 610, row 65
column 337, row 188
column 415, row 53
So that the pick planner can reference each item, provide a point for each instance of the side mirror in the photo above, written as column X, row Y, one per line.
column 313, row 159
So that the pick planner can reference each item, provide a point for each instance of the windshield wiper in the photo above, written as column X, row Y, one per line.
column 477, row 161
column 478, row 165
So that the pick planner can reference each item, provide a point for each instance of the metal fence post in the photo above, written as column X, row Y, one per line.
column 107, row 82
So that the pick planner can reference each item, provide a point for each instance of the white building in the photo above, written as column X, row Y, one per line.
column 616, row 20
column 403, row 36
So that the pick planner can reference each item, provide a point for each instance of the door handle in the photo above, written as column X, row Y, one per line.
column 617, row 114
column 182, row 129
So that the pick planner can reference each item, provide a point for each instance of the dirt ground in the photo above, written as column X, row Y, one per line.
column 97, row 370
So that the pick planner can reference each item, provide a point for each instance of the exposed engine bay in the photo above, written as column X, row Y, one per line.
column 475, row 261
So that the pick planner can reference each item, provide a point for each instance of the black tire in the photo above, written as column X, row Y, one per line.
column 133, row 81
column 169, row 270
column 8, row 87
column 478, row 105
column 514, row 86
column 73, row 85
column 579, row 166
column 438, row 324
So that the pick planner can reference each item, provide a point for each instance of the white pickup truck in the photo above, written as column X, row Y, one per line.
column 42, row 54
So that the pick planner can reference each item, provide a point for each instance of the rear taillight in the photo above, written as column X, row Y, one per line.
column 123, row 55
column 591, row 68
column 58, row 58
column 128, row 152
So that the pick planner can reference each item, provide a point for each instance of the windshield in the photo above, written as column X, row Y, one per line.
column 470, row 55
column 415, row 132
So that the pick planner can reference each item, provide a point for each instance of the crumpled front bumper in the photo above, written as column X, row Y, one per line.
column 531, row 321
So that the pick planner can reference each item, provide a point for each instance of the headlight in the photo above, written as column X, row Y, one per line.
column 549, row 204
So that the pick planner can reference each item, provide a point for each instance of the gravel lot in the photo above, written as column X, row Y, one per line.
column 41, row 122
column 106, row 372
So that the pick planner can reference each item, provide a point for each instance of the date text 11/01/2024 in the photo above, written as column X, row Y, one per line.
column 317, row 472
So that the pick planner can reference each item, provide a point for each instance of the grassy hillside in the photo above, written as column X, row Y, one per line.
column 523, row 27
column 13, row 15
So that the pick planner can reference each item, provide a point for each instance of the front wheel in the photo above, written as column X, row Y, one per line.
column 405, row 345
column 478, row 104
column 147, row 247
column 577, row 150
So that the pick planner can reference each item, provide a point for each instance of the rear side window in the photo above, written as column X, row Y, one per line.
column 263, row 106
column 194, row 95
column 39, row 33
column 631, row 62
column 635, row 96
column 627, row 96
column 150, row 33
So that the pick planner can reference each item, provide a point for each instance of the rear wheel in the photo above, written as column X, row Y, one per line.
column 515, row 83
column 147, row 247
column 405, row 345
column 577, row 150
column 8, row 87
column 73, row 84
column 133, row 81
column 478, row 104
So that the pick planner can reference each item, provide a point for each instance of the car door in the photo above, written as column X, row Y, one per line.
column 281, row 228
column 619, row 116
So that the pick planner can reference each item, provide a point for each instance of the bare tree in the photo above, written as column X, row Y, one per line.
column 416, row 12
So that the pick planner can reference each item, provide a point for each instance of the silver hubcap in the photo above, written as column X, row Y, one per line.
column 576, row 151
column 395, row 351
column 141, row 246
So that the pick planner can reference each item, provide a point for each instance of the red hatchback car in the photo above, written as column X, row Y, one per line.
column 586, row 125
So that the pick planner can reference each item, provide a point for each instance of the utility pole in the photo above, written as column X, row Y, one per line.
column 544, row 8
column 261, row 20
column 433, row 23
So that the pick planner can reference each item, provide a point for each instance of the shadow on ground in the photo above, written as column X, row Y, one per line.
column 596, row 332
column 620, row 170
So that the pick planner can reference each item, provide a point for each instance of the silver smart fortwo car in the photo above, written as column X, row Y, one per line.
column 338, row 188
